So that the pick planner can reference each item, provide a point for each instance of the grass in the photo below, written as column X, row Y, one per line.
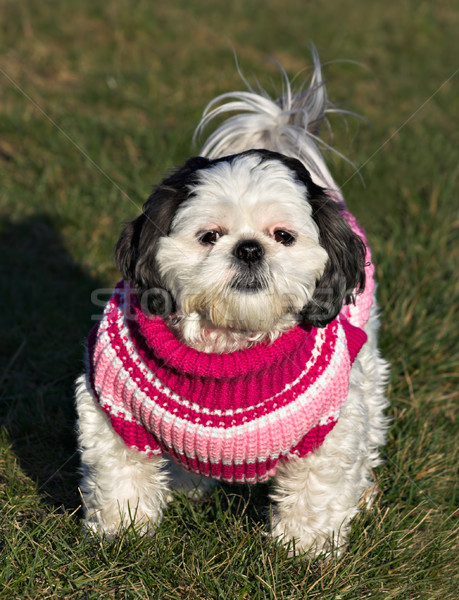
column 98, row 100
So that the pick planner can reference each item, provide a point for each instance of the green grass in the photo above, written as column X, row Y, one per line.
column 98, row 100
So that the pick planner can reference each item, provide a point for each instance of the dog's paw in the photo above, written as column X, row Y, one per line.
column 311, row 544
column 110, row 521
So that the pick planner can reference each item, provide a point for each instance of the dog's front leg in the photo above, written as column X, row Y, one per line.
column 315, row 500
column 317, row 496
column 120, row 486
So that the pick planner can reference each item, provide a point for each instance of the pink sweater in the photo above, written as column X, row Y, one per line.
column 230, row 416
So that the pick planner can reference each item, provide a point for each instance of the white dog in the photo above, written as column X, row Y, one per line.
column 241, row 342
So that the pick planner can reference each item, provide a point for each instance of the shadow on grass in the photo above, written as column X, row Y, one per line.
column 45, row 315
column 229, row 509
column 249, row 500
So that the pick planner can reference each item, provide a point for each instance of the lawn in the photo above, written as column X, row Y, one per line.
column 98, row 100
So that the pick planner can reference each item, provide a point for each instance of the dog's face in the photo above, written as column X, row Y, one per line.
column 243, row 250
column 246, row 242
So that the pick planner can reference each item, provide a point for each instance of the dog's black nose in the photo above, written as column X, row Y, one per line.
column 249, row 251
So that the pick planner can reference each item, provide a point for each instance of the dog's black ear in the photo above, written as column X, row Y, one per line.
column 344, row 274
column 135, row 252
column 127, row 246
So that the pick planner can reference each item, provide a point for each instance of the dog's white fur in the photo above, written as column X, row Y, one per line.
column 317, row 496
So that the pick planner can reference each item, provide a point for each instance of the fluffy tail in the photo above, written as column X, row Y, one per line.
column 288, row 125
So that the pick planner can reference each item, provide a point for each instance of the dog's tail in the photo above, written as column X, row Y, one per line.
column 289, row 125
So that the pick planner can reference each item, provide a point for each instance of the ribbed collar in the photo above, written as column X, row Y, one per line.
column 156, row 342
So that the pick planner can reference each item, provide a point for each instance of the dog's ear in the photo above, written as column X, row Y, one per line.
column 344, row 274
column 135, row 252
column 127, row 248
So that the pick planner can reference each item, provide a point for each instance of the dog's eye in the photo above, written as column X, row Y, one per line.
column 284, row 237
column 209, row 237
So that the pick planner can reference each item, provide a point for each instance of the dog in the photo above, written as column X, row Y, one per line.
column 241, row 343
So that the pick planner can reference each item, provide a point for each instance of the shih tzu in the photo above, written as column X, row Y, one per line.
column 240, row 344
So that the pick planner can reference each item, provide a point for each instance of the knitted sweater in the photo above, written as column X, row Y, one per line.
column 230, row 416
